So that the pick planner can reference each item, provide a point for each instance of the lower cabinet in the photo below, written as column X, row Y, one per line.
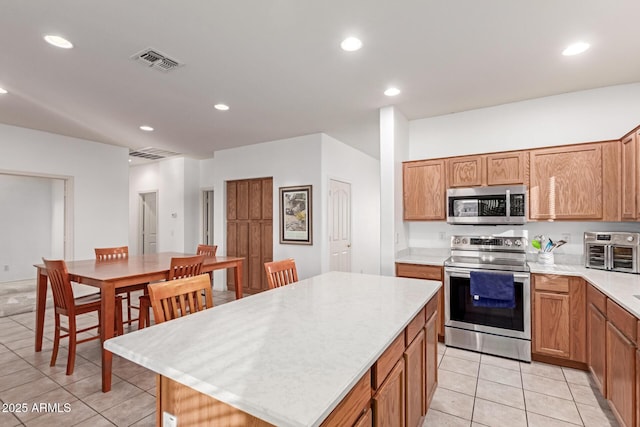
column 415, row 360
column 431, row 368
column 389, row 400
column 596, row 337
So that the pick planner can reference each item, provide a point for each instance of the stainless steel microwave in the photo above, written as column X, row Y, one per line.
column 487, row 205
column 615, row 251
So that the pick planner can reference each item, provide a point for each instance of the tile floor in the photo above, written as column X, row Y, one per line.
column 473, row 390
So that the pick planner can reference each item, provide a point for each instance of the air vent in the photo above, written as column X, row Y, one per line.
column 154, row 59
column 150, row 153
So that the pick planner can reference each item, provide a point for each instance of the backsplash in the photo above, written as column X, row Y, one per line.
column 437, row 235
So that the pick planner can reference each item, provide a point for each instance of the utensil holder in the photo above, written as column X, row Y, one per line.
column 546, row 258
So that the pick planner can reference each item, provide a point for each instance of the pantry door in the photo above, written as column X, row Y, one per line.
column 339, row 226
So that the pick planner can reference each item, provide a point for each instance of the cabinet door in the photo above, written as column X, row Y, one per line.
column 597, row 351
column 365, row 420
column 465, row 171
column 629, row 174
column 551, row 324
column 414, row 360
column 424, row 190
column 505, row 168
column 621, row 375
column 389, row 400
column 566, row 183
column 431, row 364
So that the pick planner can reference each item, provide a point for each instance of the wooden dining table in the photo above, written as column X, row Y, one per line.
column 114, row 274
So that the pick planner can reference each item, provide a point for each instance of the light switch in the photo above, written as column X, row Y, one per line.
column 169, row 420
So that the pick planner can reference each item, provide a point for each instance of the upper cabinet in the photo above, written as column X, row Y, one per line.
column 465, row 171
column 506, row 168
column 574, row 183
column 630, row 208
column 424, row 190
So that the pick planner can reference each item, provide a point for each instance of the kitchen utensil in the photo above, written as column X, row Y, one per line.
column 536, row 244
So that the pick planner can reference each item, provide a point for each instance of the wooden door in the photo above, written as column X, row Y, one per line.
column 424, row 190
column 629, row 177
column 506, row 168
column 465, row 171
column 250, row 229
column 339, row 226
column 389, row 400
column 621, row 375
column 566, row 183
column 551, row 323
column 431, row 354
column 597, row 350
column 415, row 359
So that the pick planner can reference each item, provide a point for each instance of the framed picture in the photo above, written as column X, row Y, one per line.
column 295, row 215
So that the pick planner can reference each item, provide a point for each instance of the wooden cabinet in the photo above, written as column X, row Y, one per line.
column 431, row 354
column 574, row 183
column 414, row 361
column 559, row 318
column 596, row 337
column 621, row 375
column 354, row 406
column 424, row 190
column 630, row 174
column 465, row 171
column 389, row 400
column 506, row 168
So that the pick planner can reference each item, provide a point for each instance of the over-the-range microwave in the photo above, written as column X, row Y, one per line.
column 487, row 205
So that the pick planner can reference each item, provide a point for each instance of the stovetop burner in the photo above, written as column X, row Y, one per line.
column 489, row 252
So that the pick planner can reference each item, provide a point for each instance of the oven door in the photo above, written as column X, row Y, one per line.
column 461, row 313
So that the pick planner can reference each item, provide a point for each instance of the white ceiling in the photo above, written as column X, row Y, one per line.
column 278, row 65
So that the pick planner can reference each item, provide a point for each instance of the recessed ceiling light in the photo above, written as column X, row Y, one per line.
column 146, row 128
column 351, row 44
column 576, row 49
column 221, row 107
column 392, row 91
column 58, row 41
column 3, row 91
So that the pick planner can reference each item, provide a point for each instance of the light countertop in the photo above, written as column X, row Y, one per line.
column 288, row 355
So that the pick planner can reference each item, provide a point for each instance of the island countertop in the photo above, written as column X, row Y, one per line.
column 289, row 355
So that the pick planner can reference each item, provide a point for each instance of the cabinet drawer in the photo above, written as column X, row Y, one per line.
column 353, row 405
column 551, row 283
column 417, row 271
column 432, row 305
column 625, row 322
column 414, row 327
column 387, row 361
column 597, row 298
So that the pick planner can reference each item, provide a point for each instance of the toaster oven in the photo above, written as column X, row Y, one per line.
column 615, row 251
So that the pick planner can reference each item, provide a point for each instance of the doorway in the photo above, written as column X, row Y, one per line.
column 207, row 217
column 148, row 223
column 339, row 226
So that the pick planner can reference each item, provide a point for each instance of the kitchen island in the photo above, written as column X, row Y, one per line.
column 291, row 355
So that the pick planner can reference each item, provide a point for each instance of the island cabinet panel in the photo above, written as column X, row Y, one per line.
column 506, row 168
column 387, row 361
column 424, row 190
column 415, row 360
column 431, row 356
column 629, row 173
column 389, row 399
column 566, row 183
column 465, row 171
column 353, row 406
column 366, row 419
column 596, row 340
column 621, row 375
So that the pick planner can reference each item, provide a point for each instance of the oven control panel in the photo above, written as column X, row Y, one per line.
column 491, row 243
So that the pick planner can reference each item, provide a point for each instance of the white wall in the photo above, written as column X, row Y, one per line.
column 594, row 115
column 100, row 182
column 344, row 163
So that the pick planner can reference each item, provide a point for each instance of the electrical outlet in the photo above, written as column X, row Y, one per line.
column 6, row 268
column 169, row 420
column 566, row 237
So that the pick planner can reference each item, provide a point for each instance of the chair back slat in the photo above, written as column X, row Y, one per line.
column 111, row 254
column 180, row 297
column 281, row 273
column 185, row 266
column 60, row 284
column 207, row 250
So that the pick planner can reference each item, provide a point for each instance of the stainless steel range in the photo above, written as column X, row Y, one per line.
column 488, row 297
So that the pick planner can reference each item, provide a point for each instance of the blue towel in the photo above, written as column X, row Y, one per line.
column 494, row 290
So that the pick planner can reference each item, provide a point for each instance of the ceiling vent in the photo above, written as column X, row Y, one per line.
column 154, row 59
column 150, row 153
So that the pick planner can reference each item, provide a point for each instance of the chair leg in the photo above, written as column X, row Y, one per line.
column 143, row 315
column 118, row 316
column 128, row 297
column 56, row 341
column 71, row 360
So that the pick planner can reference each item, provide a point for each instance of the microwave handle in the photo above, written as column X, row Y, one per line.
column 508, row 204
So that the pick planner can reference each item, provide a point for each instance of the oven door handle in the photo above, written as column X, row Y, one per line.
column 464, row 272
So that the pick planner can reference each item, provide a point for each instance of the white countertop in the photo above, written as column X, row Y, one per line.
column 423, row 259
column 289, row 355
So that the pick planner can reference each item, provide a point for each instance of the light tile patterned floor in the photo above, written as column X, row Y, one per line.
column 473, row 390
column 482, row 390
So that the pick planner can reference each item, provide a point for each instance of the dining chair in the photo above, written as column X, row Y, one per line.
column 207, row 250
column 280, row 273
column 177, row 298
column 65, row 304
column 180, row 267
column 121, row 253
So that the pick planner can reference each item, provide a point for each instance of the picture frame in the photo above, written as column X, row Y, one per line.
column 296, row 215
